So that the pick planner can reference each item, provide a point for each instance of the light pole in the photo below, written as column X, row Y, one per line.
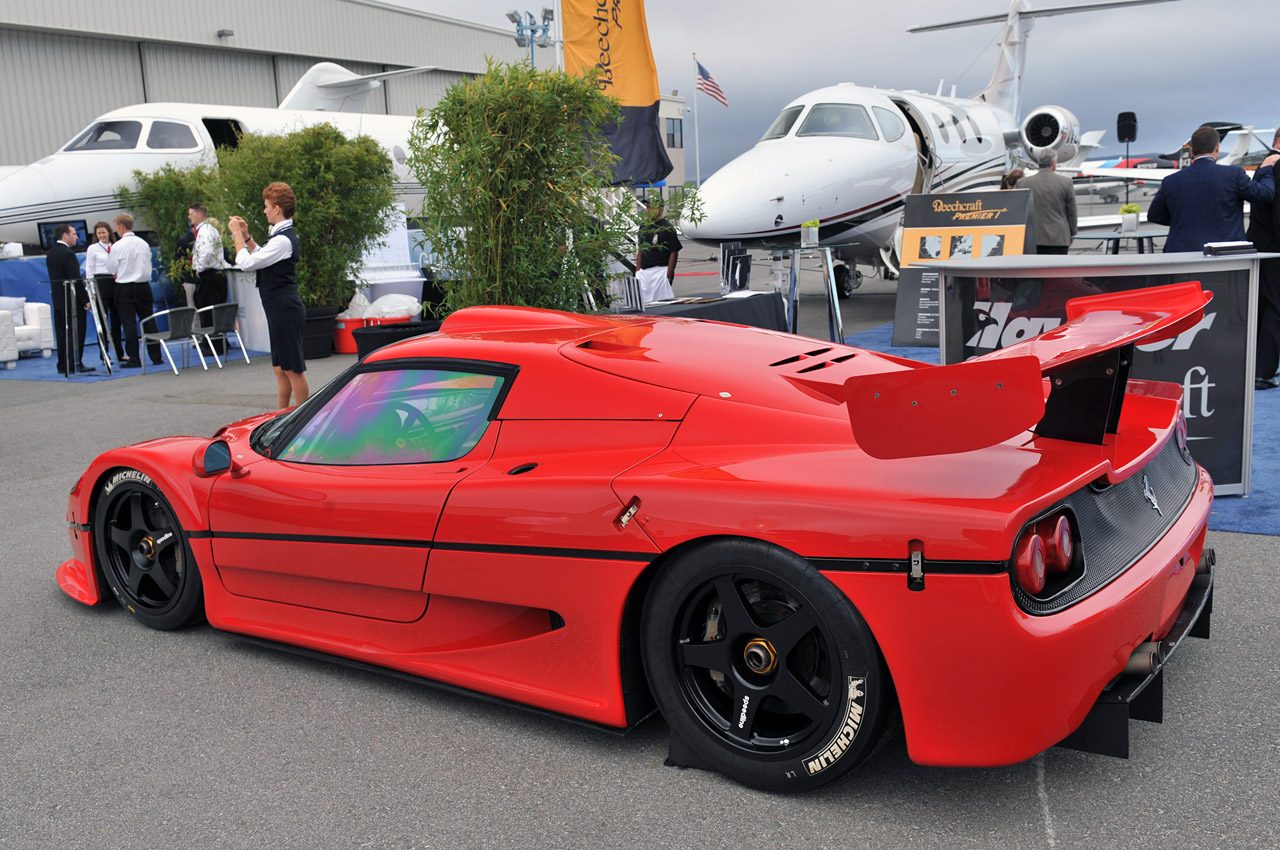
column 530, row 32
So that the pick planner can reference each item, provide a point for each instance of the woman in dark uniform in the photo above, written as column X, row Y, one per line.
column 276, row 263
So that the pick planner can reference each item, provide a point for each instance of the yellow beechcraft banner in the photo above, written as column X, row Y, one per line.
column 611, row 36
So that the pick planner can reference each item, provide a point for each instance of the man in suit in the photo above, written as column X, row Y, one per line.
column 1264, row 233
column 63, row 266
column 1053, row 201
column 1203, row 202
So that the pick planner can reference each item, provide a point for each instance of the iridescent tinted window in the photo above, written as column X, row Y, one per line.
column 398, row 416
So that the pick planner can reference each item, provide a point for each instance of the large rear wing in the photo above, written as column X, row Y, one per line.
column 1067, row 383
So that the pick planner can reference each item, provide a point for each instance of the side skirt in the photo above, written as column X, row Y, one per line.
column 425, row 682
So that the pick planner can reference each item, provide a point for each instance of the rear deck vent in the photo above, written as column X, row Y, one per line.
column 843, row 357
column 815, row 367
column 786, row 360
column 816, row 352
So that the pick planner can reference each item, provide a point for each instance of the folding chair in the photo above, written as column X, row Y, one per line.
column 219, row 320
column 180, row 321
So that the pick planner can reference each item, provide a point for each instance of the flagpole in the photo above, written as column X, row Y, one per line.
column 697, row 151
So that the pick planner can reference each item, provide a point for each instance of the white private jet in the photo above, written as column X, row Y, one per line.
column 79, row 181
column 848, row 156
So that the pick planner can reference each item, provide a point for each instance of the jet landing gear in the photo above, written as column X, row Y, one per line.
column 847, row 280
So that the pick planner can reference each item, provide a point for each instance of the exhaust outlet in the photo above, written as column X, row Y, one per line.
column 1208, row 559
column 1145, row 660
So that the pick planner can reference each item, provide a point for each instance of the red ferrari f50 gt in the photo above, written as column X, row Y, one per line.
column 790, row 547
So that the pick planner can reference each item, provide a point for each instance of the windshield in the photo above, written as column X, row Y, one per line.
column 108, row 136
column 782, row 124
column 848, row 120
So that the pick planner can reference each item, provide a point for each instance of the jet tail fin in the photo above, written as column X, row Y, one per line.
column 332, row 88
column 1005, row 88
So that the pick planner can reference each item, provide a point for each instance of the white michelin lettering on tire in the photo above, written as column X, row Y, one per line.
column 742, row 715
column 832, row 751
column 126, row 475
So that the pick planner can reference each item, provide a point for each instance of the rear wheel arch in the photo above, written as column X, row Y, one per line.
column 882, row 708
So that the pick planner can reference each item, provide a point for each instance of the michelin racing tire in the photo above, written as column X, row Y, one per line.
column 143, row 553
column 764, row 671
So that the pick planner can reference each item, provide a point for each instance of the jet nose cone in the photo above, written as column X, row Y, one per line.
column 24, row 194
column 744, row 196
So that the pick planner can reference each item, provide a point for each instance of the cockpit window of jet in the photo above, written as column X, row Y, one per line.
column 838, row 119
column 782, row 124
column 108, row 136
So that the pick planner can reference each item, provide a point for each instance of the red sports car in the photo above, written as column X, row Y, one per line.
column 790, row 547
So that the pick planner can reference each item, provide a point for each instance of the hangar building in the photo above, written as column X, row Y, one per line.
column 61, row 66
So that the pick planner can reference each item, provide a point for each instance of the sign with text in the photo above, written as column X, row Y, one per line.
column 943, row 227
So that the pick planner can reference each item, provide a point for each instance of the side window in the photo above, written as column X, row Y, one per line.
column 170, row 135
column 782, row 124
column 942, row 128
column 890, row 123
column 108, row 136
column 390, row 416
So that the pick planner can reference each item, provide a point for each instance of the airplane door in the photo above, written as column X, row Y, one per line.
column 924, row 146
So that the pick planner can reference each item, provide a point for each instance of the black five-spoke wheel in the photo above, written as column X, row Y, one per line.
column 761, row 666
column 143, row 552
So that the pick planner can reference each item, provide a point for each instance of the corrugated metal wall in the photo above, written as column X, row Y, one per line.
column 199, row 75
column 350, row 30
column 174, row 49
column 406, row 94
column 51, row 86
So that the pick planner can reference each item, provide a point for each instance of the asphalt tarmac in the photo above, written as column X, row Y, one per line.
column 113, row 735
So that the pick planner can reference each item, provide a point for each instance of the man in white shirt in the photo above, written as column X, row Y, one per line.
column 208, row 264
column 133, row 289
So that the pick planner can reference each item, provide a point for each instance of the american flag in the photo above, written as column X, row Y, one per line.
column 708, row 84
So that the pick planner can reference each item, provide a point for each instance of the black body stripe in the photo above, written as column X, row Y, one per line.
column 490, row 548
column 886, row 565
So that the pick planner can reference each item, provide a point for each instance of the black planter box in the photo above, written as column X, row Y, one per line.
column 372, row 338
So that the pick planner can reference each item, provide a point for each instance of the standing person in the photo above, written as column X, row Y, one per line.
column 656, row 254
column 63, row 266
column 1264, row 233
column 276, row 263
column 1202, row 203
column 1053, row 204
column 207, row 263
column 99, row 265
column 133, row 289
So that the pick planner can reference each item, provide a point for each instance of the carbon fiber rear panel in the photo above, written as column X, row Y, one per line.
column 1118, row 524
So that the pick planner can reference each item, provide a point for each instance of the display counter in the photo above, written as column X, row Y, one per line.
column 992, row 303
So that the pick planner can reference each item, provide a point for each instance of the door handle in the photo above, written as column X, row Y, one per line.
column 522, row 468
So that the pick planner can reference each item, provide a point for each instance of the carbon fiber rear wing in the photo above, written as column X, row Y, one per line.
column 1067, row 383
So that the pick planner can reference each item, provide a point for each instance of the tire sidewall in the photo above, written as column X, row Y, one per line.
column 185, row 606
column 827, row 753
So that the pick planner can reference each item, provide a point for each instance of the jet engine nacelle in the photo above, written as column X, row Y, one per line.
column 1051, row 128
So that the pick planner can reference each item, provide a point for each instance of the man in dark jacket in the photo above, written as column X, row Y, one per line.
column 1264, row 233
column 1202, row 203
column 63, row 266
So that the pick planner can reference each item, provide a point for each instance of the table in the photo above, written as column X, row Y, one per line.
column 1145, row 238
column 758, row 310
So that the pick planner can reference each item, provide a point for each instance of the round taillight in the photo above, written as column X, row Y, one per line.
column 1059, row 547
column 1029, row 566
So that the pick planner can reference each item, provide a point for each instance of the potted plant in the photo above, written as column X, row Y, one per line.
column 1129, row 218
column 516, row 170
column 345, row 196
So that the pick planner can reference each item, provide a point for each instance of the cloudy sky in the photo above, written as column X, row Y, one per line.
column 1175, row 64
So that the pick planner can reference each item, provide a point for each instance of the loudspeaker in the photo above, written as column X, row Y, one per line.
column 1127, row 127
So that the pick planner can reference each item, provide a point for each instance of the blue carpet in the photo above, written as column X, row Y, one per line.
column 32, row 367
column 1257, row 513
